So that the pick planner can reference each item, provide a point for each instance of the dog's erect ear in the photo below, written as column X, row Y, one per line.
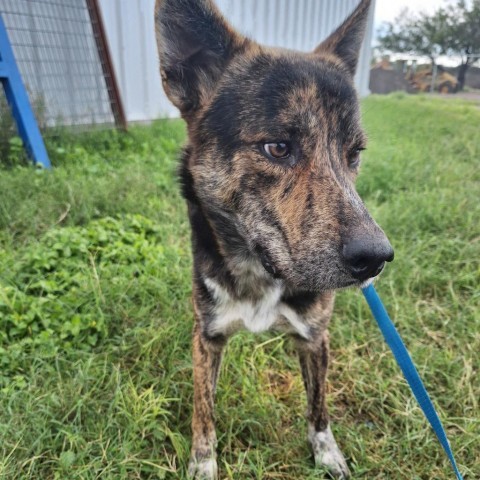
column 345, row 42
column 195, row 43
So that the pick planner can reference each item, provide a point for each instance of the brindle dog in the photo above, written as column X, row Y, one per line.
column 274, row 142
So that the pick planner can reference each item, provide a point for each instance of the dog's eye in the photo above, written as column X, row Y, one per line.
column 354, row 158
column 277, row 151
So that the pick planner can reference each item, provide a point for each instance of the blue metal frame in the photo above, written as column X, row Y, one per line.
column 17, row 98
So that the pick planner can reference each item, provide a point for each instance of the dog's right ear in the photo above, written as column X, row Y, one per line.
column 195, row 43
column 346, row 41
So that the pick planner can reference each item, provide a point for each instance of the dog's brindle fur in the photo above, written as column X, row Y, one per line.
column 268, row 233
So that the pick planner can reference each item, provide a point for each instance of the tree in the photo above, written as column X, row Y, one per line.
column 452, row 30
column 465, row 35
column 422, row 34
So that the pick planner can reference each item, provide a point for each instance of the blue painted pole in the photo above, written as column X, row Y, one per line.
column 17, row 98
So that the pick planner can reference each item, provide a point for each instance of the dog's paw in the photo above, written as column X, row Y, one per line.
column 203, row 469
column 327, row 454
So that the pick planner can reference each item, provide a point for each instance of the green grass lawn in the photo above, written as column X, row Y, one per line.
column 95, row 316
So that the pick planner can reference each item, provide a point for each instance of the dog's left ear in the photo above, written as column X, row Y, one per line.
column 345, row 42
column 195, row 44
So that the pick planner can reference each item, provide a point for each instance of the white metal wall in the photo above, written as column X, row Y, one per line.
column 296, row 24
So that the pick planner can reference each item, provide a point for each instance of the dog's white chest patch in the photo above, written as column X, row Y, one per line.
column 256, row 316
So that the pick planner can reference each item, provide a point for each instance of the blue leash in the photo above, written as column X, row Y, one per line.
column 405, row 362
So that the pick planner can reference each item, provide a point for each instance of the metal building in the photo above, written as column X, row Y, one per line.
column 298, row 24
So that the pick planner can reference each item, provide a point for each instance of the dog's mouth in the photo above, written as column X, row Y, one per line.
column 365, row 283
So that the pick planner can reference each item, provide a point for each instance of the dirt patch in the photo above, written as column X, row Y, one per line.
column 470, row 96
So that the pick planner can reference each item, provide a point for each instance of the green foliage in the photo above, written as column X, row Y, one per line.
column 420, row 34
column 12, row 153
column 11, row 146
column 105, row 235
column 51, row 299
column 464, row 28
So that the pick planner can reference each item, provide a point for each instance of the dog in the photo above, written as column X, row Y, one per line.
column 268, row 172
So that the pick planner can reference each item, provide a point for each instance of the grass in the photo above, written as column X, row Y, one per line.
column 94, row 297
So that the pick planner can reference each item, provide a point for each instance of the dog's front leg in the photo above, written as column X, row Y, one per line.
column 314, row 363
column 207, row 356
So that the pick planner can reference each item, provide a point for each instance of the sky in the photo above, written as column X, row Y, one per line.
column 388, row 10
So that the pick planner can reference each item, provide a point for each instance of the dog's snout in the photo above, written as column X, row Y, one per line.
column 365, row 257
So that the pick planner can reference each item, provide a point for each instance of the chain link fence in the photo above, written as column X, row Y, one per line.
column 63, row 57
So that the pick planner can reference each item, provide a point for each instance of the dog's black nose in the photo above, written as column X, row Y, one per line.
column 365, row 257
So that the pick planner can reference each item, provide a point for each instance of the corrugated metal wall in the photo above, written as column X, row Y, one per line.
column 296, row 24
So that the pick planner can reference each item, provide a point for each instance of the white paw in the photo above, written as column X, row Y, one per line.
column 326, row 452
column 205, row 469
